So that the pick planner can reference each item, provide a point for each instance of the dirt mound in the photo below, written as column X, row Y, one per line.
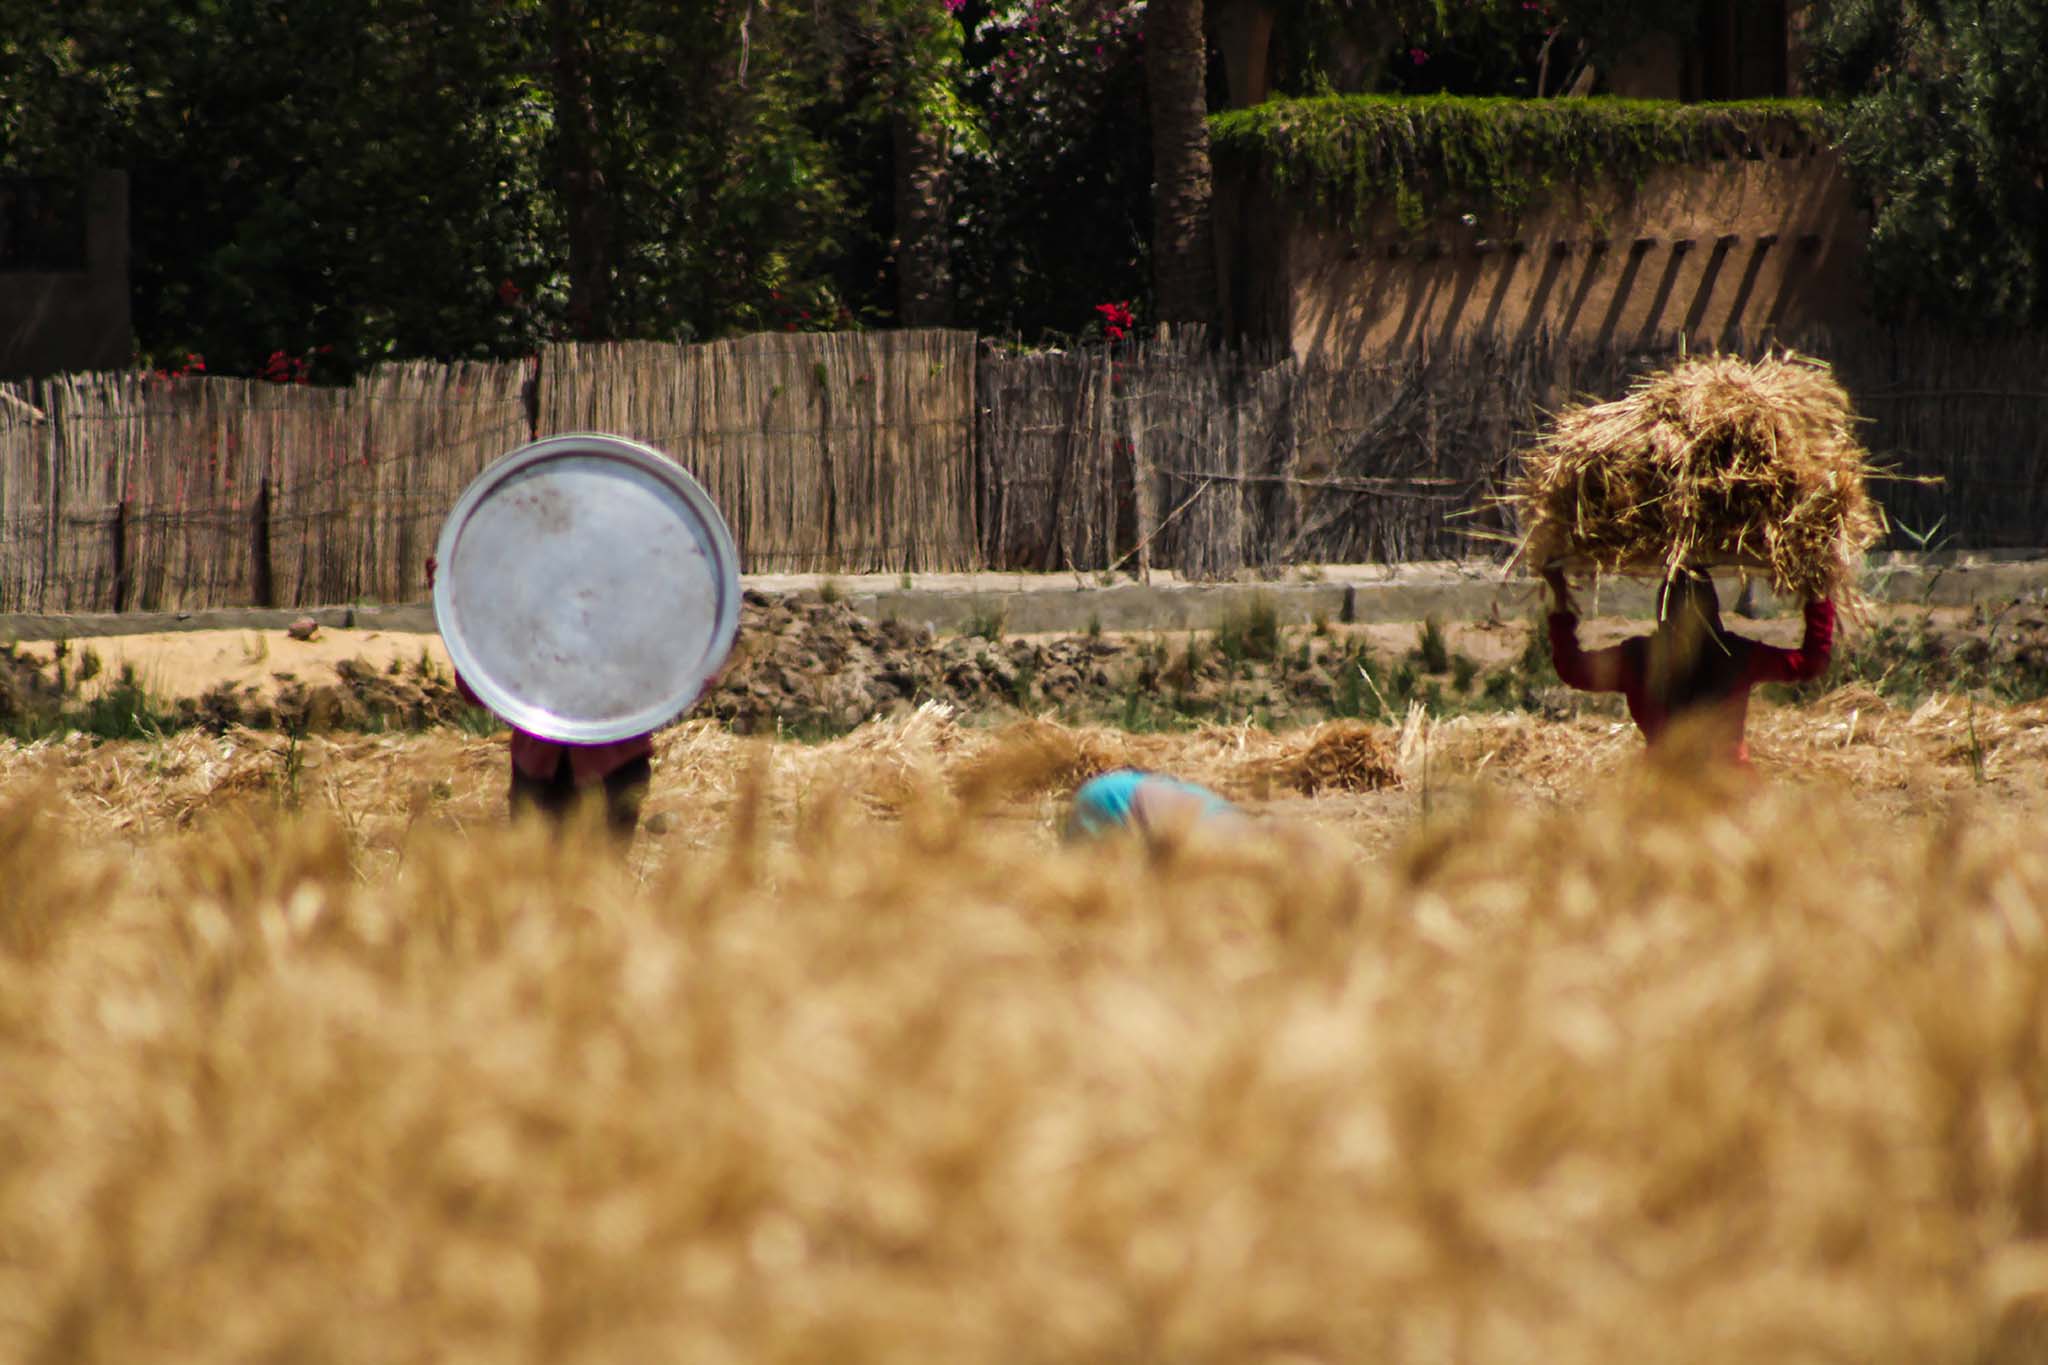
column 809, row 665
column 815, row 666
column 361, row 698
column 26, row 693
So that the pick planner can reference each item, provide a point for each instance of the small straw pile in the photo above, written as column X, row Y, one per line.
column 1343, row 756
column 1716, row 462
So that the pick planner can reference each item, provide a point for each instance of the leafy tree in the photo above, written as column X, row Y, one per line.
column 470, row 177
column 1527, row 48
column 359, row 177
column 919, row 96
column 1054, row 207
column 724, row 205
column 1947, row 132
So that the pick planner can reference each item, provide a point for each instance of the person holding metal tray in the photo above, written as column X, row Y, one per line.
column 588, row 592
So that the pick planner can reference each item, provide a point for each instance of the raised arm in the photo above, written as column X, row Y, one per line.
column 1596, row 670
column 1768, row 663
column 1602, row 670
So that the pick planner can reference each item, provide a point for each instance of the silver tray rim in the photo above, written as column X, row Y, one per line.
column 538, row 721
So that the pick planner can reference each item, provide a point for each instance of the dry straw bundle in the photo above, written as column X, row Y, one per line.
column 1718, row 461
column 1341, row 756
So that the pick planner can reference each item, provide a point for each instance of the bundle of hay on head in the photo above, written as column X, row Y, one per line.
column 1718, row 462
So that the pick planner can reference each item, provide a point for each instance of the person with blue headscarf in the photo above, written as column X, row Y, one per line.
column 1130, row 799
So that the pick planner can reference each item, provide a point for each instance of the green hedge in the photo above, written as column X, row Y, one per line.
column 1444, row 155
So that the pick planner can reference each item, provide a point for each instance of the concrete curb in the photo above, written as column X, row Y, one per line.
column 1073, row 603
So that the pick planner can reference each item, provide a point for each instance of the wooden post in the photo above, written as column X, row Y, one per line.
column 53, row 511
column 827, row 473
column 121, row 555
column 262, row 585
column 529, row 398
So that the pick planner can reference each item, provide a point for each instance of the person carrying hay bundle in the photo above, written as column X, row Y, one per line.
column 1716, row 462
column 1689, row 668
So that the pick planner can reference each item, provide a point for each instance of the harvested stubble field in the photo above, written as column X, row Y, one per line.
column 1529, row 1055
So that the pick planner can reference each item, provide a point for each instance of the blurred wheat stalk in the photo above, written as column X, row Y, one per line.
column 1673, row 1074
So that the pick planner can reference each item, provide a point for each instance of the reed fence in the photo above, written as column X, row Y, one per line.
column 131, row 492
column 1213, row 462
column 849, row 452
column 914, row 451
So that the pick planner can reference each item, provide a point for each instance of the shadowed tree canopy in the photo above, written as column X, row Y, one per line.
column 1947, row 132
column 456, row 177
column 363, row 179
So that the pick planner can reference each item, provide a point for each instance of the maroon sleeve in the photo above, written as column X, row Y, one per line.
column 462, row 690
column 1600, row 670
column 1768, row 663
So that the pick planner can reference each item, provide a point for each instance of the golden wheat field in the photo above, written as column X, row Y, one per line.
column 1491, row 1045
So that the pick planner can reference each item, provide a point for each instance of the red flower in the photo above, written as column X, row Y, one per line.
column 508, row 293
column 1117, row 319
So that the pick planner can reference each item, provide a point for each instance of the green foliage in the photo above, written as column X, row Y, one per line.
column 1054, row 208
column 1534, row 663
column 361, row 176
column 987, row 622
column 1356, row 698
column 478, row 722
column 124, row 710
column 1527, row 48
column 366, row 179
column 1250, row 632
column 1494, row 156
column 1945, row 129
column 1432, row 651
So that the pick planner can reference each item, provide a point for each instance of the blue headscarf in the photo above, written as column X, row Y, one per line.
column 1106, row 803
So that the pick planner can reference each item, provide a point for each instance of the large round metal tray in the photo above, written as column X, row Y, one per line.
column 587, row 588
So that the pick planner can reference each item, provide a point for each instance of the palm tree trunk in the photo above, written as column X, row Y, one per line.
column 585, row 200
column 924, row 274
column 1183, row 250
